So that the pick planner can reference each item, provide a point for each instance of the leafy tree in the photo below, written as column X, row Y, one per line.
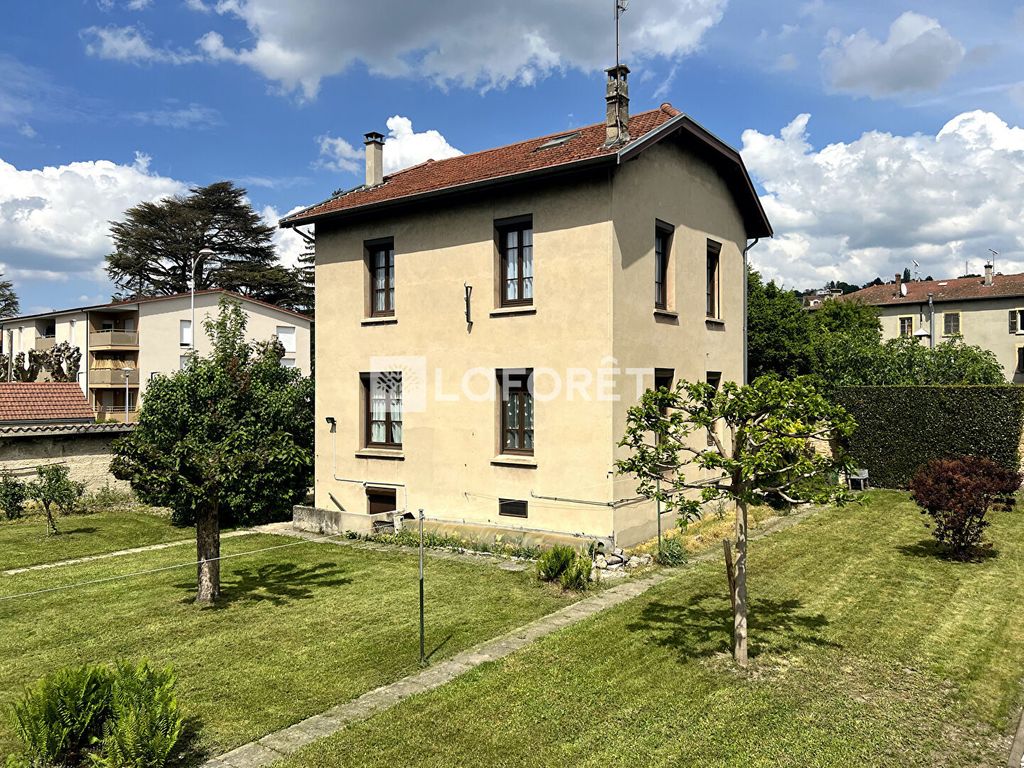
column 228, row 439
column 778, row 330
column 906, row 274
column 305, row 273
column 746, row 445
column 53, row 487
column 9, row 305
column 25, row 368
column 12, row 495
column 876, row 281
column 847, row 315
column 156, row 243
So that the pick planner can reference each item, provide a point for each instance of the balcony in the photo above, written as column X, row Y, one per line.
column 45, row 343
column 116, row 414
column 113, row 377
column 113, row 340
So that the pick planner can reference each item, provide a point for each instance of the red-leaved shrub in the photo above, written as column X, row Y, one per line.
column 957, row 493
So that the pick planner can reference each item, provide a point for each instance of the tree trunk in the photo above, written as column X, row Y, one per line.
column 51, row 524
column 208, row 554
column 739, row 599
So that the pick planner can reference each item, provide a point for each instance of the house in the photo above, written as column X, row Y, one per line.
column 125, row 343
column 985, row 311
column 487, row 320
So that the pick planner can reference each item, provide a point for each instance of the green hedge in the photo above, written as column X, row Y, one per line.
column 900, row 428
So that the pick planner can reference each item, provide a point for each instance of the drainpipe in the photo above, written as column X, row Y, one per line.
column 931, row 322
column 745, row 356
column 359, row 481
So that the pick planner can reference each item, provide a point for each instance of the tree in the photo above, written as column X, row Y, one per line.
column 156, row 243
column 227, row 439
column 306, row 277
column 53, row 487
column 778, row 330
column 761, row 443
column 61, row 363
column 846, row 316
column 906, row 274
column 9, row 306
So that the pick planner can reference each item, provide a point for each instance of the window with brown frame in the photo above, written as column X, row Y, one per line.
column 380, row 500
column 382, row 396
column 513, row 508
column 714, row 257
column 950, row 323
column 516, row 389
column 662, row 250
column 714, row 378
column 380, row 256
column 515, row 247
column 906, row 326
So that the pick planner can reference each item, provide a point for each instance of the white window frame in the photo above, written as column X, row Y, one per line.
column 286, row 334
column 186, row 340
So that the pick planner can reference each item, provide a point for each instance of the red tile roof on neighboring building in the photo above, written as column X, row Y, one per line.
column 959, row 289
column 43, row 401
column 535, row 156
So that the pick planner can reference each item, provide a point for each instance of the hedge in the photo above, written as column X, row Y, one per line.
column 900, row 428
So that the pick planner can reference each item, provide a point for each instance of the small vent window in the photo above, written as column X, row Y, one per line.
column 559, row 140
column 512, row 508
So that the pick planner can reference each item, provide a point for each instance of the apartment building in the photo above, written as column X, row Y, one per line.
column 487, row 320
column 125, row 344
column 986, row 311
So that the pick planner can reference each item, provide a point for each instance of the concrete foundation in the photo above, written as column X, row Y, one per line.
column 331, row 522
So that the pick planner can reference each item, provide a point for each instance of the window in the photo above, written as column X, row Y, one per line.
column 906, row 326
column 714, row 254
column 382, row 393
column 381, row 258
column 183, row 361
column 1020, row 359
column 516, row 411
column 714, row 378
column 662, row 247
column 286, row 335
column 380, row 500
column 663, row 377
column 512, row 508
column 185, row 333
column 515, row 246
column 288, row 362
column 1015, row 321
column 950, row 323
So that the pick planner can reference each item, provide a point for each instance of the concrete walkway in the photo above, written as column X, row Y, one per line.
column 270, row 749
column 119, row 553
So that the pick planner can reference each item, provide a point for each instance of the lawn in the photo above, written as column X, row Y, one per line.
column 24, row 542
column 300, row 628
column 868, row 651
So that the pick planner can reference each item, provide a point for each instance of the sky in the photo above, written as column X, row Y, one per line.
column 877, row 133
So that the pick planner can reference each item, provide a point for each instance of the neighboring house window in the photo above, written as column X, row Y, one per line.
column 382, row 393
column 515, row 246
column 380, row 500
column 185, row 333
column 714, row 378
column 714, row 254
column 512, row 508
column 381, row 258
column 951, row 323
column 183, row 361
column 288, row 362
column 516, row 410
column 286, row 335
column 663, row 377
column 662, row 250
column 906, row 326
column 1014, row 321
column 1020, row 359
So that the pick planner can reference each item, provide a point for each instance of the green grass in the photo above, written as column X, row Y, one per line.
column 868, row 651
column 300, row 628
column 24, row 542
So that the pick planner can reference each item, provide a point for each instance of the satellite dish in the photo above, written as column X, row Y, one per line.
column 903, row 289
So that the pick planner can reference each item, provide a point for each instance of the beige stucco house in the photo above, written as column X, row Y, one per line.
column 124, row 344
column 986, row 311
column 484, row 322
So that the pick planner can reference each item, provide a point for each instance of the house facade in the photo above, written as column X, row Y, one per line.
column 487, row 321
column 985, row 311
column 125, row 344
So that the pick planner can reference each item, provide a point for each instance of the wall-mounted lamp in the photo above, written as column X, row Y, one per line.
column 469, row 295
column 331, row 420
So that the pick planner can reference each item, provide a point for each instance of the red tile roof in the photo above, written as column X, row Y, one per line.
column 959, row 289
column 38, row 401
column 524, row 156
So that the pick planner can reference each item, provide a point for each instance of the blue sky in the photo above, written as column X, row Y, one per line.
column 878, row 133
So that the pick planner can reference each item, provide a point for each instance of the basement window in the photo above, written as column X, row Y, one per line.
column 558, row 141
column 380, row 500
column 512, row 508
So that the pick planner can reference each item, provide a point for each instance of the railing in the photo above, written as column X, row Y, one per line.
column 44, row 343
column 114, row 339
column 99, row 377
column 116, row 414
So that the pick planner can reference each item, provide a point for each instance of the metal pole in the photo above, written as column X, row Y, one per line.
column 423, row 654
column 126, row 378
column 657, row 486
column 192, row 321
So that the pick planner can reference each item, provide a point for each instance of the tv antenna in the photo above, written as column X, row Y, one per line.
column 993, row 259
column 620, row 8
column 917, row 270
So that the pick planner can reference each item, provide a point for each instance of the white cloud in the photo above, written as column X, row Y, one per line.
column 919, row 55
column 192, row 116
column 138, row 5
column 403, row 147
column 857, row 210
column 288, row 244
column 27, row 131
column 131, row 45
column 55, row 221
column 458, row 42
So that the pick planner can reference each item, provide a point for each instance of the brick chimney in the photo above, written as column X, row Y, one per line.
column 899, row 282
column 988, row 274
column 617, row 98
column 374, row 159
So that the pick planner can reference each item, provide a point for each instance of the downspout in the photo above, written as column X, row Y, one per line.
column 364, row 483
column 931, row 322
column 745, row 355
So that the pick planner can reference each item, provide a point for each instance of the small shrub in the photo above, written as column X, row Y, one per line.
column 673, row 552
column 106, row 499
column 146, row 723
column 55, row 488
column 957, row 493
column 12, row 495
column 553, row 563
column 61, row 715
column 576, row 575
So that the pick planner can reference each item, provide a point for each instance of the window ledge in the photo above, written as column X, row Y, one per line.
column 507, row 460
column 714, row 322
column 526, row 309
column 380, row 453
column 389, row 320
column 666, row 314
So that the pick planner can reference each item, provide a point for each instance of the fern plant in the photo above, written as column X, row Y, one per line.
column 553, row 563
column 577, row 575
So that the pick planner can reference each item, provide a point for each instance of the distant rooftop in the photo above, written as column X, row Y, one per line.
column 957, row 289
column 41, row 402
